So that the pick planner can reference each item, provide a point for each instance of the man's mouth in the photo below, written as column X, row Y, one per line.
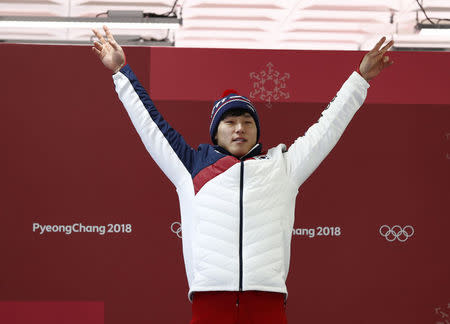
column 240, row 140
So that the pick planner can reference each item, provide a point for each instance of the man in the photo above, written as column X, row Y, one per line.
column 236, row 202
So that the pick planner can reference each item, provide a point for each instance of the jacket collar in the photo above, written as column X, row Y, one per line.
column 256, row 150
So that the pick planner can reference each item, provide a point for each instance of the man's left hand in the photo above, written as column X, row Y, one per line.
column 375, row 61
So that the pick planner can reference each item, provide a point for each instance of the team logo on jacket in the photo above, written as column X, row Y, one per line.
column 396, row 232
column 261, row 157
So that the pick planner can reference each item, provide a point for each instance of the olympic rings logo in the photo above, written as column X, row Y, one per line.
column 396, row 232
column 176, row 228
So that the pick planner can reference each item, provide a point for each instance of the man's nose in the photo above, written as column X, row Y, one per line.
column 239, row 127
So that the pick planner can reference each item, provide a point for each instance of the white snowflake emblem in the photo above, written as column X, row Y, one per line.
column 269, row 85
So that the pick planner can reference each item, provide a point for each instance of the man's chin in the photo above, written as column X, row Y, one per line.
column 240, row 149
column 239, row 153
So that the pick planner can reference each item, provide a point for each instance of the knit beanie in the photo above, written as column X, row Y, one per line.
column 230, row 100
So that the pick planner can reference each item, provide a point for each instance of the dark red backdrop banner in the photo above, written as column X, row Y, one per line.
column 90, row 225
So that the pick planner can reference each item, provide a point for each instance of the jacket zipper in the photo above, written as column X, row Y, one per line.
column 241, row 217
column 241, row 223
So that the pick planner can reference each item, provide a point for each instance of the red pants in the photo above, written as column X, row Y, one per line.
column 232, row 307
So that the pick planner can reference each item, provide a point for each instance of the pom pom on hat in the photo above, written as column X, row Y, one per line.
column 228, row 92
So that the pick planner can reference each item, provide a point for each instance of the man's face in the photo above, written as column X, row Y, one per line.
column 237, row 134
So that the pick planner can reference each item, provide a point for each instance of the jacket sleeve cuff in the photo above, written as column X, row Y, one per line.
column 358, row 80
column 121, row 67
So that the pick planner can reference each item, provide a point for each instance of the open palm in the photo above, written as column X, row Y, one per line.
column 108, row 51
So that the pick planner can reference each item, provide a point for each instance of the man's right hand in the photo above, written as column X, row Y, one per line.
column 108, row 51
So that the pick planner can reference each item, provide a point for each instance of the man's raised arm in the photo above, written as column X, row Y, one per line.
column 166, row 146
column 309, row 150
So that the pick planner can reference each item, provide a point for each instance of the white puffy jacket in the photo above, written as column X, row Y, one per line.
column 237, row 214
